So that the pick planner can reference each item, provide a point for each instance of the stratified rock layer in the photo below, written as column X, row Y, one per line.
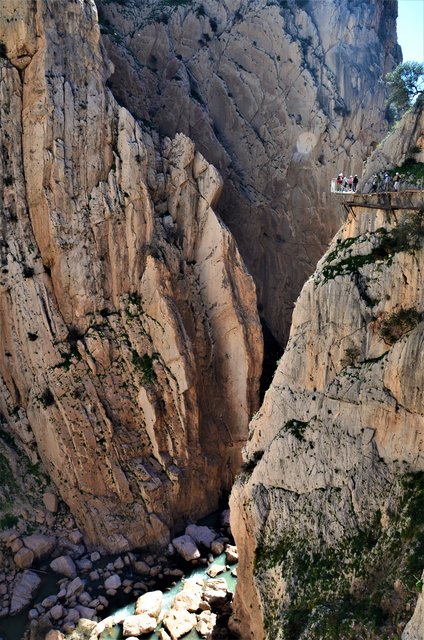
column 280, row 95
column 327, row 512
column 130, row 344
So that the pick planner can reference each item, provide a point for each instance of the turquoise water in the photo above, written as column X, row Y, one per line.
column 116, row 632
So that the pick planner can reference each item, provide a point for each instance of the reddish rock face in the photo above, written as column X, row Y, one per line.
column 130, row 343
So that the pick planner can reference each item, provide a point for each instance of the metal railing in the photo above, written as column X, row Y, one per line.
column 340, row 189
column 404, row 185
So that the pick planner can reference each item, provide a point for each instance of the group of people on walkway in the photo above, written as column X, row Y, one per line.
column 346, row 184
column 383, row 182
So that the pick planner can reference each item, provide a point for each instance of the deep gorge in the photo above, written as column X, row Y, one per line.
column 165, row 176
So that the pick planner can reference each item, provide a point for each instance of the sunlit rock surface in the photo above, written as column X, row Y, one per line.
column 130, row 344
column 327, row 513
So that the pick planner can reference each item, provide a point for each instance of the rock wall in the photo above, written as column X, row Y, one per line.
column 280, row 95
column 415, row 627
column 130, row 345
column 327, row 513
column 401, row 146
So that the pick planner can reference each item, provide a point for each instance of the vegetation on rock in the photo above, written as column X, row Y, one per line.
column 364, row 586
column 405, row 84
column 407, row 235
column 394, row 326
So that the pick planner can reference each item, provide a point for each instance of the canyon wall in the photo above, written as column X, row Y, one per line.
column 401, row 149
column 279, row 95
column 130, row 347
column 327, row 511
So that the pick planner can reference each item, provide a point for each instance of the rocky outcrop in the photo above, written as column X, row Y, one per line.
column 280, row 95
column 131, row 347
column 415, row 627
column 327, row 513
column 400, row 150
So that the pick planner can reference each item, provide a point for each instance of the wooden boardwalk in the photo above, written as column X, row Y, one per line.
column 411, row 199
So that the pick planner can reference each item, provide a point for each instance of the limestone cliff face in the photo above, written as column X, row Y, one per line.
column 130, row 345
column 404, row 143
column 327, row 513
column 279, row 95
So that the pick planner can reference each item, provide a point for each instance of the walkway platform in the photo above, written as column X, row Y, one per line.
column 412, row 199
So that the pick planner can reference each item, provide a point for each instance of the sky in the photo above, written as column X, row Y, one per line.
column 410, row 29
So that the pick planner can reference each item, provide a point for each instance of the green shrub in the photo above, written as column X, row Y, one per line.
column 6, row 475
column 47, row 398
column 351, row 356
column 145, row 365
column 8, row 521
column 250, row 464
column 406, row 236
column 397, row 324
column 28, row 272
column 296, row 428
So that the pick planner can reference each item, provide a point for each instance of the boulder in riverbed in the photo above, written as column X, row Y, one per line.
column 64, row 566
column 205, row 623
column 150, row 603
column 179, row 622
column 86, row 612
column 186, row 547
column 201, row 535
column 40, row 545
column 104, row 625
column 138, row 625
column 231, row 554
column 141, row 567
column 190, row 597
column 74, row 588
column 215, row 591
column 57, row 612
column 113, row 582
column 217, row 547
column 23, row 590
column 24, row 558
column 215, row 569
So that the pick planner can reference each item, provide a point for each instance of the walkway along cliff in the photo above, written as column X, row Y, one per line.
column 328, row 510
column 130, row 347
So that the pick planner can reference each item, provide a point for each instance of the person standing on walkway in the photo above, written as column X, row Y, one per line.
column 386, row 182
column 355, row 182
column 396, row 182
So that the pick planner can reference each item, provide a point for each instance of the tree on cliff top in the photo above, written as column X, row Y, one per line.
column 406, row 85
